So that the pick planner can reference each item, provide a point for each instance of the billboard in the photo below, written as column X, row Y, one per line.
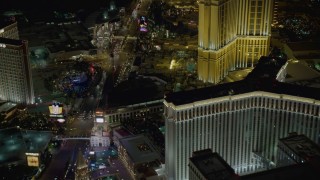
column 56, row 109
column 99, row 119
column 60, row 120
column 33, row 159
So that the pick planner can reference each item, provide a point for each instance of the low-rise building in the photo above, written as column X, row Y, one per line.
column 115, row 115
column 206, row 165
column 100, row 134
column 296, row 149
column 23, row 147
column 7, row 109
column 139, row 157
column 119, row 133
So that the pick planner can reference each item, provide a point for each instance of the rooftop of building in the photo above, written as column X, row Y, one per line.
column 261, row 78
column 11, row 41
column 312, row 82
column 311, row 55
column 134, row 91
column 7, row 106
column 294, row 75
column 304, row 46
column 240, row 87
column 302, row 146
column 309, row 170
column 123, row 132
column 4, row 24
column 212, row 165
column 15, row 142
column 62, row 36
column 2, row 102
column 268, row 66
column 140, row 149
column 137, row 106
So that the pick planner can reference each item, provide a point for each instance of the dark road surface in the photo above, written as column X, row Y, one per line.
column 66, row 155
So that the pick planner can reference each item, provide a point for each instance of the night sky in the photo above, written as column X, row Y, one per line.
column 36, row 10
column 41, row 6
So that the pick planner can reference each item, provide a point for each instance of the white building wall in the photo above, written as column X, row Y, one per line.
column 96, row 141
column 235, row 127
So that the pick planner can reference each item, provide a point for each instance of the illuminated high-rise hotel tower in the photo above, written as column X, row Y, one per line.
column 16, row 79
column 232, row 34
column 242, row 120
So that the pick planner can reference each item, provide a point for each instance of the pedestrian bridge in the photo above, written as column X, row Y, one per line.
column 125, row 37
column 63, row 138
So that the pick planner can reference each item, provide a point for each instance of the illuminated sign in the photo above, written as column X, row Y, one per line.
column 32, row 154
column 56, row 115
column 55, row 110
column 99, row 120
column 33, row 161
column 60, row 120
column 99, row 113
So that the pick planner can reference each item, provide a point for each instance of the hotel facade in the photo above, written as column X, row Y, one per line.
column 237, row 127
column 16, row 79
column 242, row 121
column 9, row 30
column 232, row 34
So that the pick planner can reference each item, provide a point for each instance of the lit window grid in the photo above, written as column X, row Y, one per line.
column 10, row 31
column 241, row 125
column 142, row 111
column 213, row 66
column 226, row 25
column 14, row 84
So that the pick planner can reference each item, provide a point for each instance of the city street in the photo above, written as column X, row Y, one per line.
column 62, row 164
column 81, row 126
column 62, row 158
column 126, row 47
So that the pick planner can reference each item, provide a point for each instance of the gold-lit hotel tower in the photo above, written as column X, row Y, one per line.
column 232, row 34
